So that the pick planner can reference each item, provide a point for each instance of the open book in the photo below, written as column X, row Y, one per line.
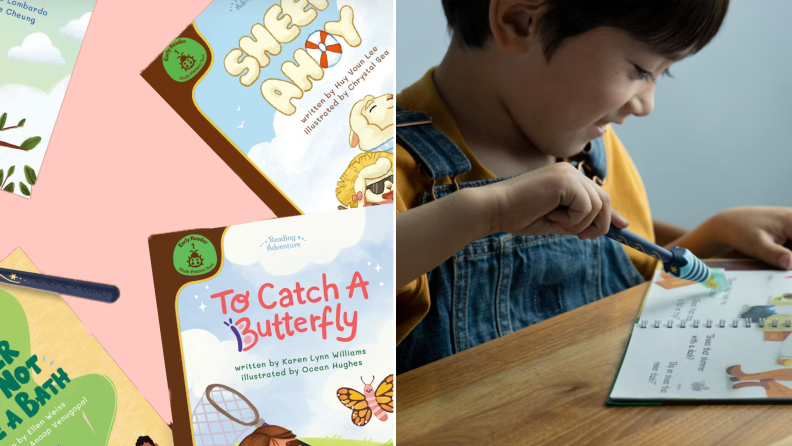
column 694, row 344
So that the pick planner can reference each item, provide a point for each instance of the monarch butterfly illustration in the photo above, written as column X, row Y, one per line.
column 368, row 402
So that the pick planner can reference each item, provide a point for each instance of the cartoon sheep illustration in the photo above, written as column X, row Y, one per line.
column 371, row 124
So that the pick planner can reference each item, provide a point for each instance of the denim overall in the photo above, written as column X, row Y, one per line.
column 503, row 282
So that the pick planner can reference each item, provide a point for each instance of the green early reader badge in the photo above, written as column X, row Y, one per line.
column 183, row 59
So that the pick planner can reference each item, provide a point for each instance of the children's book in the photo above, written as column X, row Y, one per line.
column 58, row 386
column 280, row 327
column 296, row 96
column 694, row 344
column 38, row 49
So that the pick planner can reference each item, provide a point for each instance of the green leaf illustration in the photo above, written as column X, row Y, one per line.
column 24, row 189
column 11, row 171
column 30, row 175
column 31, row 143
column 1, row 176
column 9, row 188
column 3, row 120
column 21, row 123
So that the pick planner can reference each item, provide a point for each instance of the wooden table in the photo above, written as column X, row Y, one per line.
column 547, row 384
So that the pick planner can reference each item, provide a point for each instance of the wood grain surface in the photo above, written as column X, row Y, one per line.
column 547, row 384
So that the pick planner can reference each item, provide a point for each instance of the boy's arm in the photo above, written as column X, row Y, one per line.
column 555, row 199
column 430, row 234
column 764, row 233
column 702, row 241
column 666, row 233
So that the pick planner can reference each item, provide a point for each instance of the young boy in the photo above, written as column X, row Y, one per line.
column 494, row 234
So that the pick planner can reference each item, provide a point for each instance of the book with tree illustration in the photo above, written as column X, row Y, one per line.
column 281, row 329
column 38, row 50
column 693, row 344
column 295, row 96
column 58, row 386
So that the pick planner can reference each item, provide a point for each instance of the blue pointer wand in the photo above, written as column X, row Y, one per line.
column 70, row 287
column 679, row 262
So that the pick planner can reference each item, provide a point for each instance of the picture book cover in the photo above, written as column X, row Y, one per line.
column 691, row 343
column 38, row 49
column 295, row 96
column 281, row 329
column 58, row 386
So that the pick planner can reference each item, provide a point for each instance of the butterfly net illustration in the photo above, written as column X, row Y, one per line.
column 223, row 417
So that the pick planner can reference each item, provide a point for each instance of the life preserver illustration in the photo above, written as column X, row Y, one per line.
column 324, row 48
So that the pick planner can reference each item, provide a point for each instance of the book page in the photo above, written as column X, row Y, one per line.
column 691, row 342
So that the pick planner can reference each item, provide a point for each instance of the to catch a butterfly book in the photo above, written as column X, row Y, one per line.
column 296, row 96
column 280, row 324
column 696, row 344
column 39, row 44
column 58, row 386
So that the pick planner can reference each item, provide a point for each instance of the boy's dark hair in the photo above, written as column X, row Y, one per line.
column 143, row 440
column 667, row 27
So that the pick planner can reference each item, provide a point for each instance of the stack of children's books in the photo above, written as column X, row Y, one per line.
column 282, row 331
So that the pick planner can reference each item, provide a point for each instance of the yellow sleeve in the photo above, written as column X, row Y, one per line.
column 628, row 196
column 412, row 301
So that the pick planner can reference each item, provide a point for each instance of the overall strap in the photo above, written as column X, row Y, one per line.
column 594, row 160
column 438, row 157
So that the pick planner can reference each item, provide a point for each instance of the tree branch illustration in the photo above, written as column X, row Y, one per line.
column 28, row 144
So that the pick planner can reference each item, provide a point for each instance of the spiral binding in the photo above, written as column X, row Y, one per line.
column 722, row 323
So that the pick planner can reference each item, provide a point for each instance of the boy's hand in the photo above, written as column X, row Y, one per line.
column 759, row 232
column 555, row 199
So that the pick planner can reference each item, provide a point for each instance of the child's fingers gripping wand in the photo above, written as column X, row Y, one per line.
column 679, row 262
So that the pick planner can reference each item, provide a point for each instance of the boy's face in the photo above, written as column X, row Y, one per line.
column 591, row 80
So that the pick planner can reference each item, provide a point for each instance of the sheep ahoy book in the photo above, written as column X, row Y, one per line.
column 39, row 44
column 296, row 96
column 694, row 344
column 283, row 325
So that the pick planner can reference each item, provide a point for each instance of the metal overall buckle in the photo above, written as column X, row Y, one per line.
column 418, row 167
column 410, row 124
column 580, row 163
column 434, row 183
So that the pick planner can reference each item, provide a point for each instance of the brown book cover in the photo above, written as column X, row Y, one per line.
column 296, row 97
column 287, row 322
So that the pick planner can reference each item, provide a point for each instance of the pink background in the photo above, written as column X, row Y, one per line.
column 121, row 166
